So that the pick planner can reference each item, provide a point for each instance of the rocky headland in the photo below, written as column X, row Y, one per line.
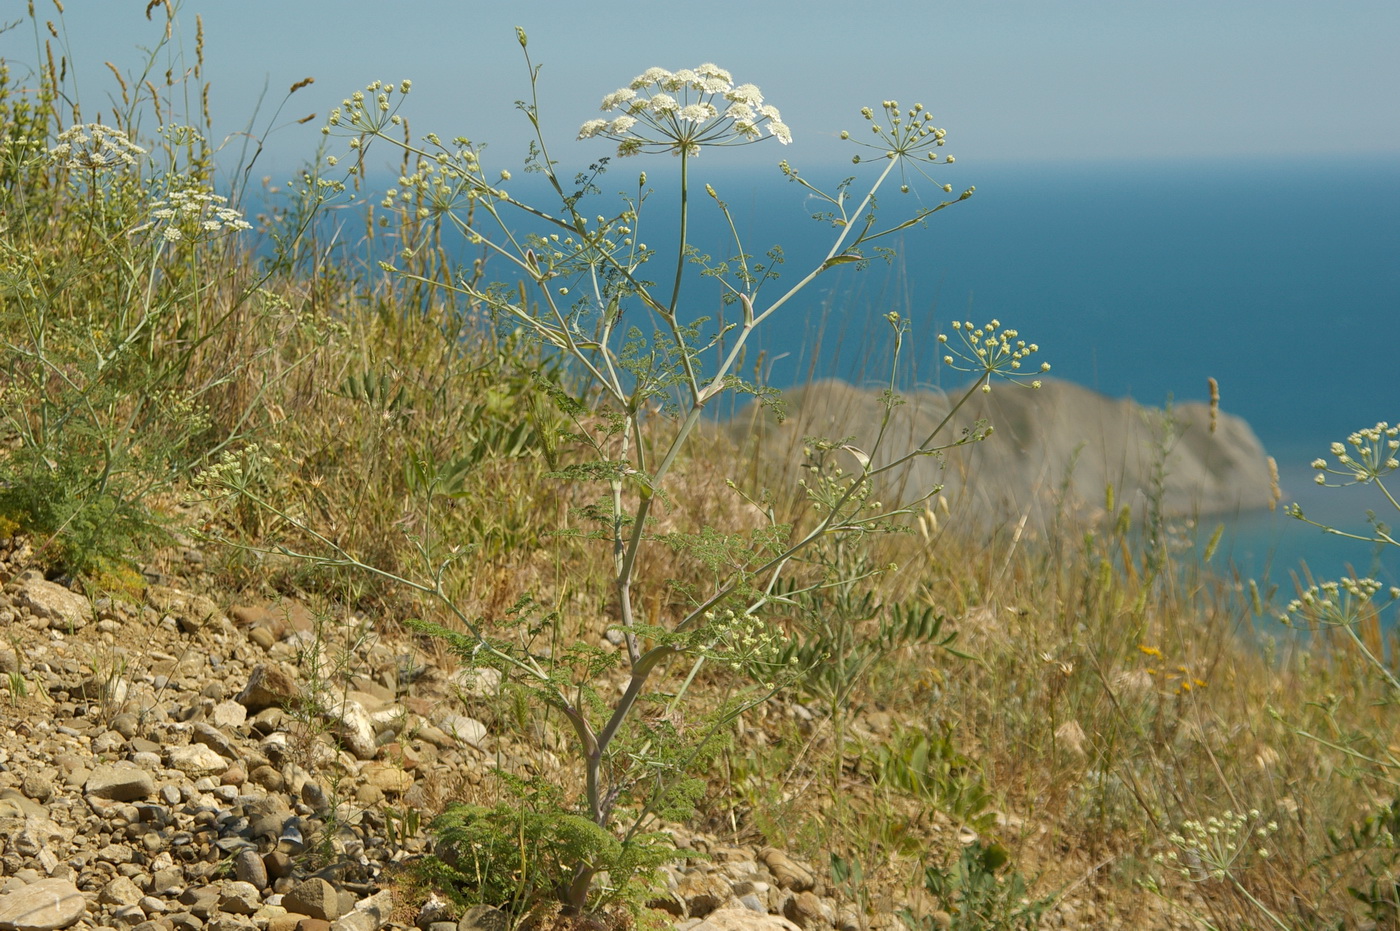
column 1056, row 449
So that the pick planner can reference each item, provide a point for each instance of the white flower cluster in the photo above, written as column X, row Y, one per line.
column 1210, row 849
column 95, row 147
column 681, row 111
column 989, row 351
column 1336, row 604
column 1372, row 453
column 194, row 214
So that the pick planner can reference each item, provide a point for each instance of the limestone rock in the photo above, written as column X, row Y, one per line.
column 468, row 730
column 119, row 892
column 196, row 760
column 789, row 873
column 239, row 897
column 60, row 606
column 352, row 725
column 46, row 905
column 742, row 919
column 314, row 897
column 1062, row 436
column 120, row 782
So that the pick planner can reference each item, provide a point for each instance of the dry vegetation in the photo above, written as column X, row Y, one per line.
column 1095, row 703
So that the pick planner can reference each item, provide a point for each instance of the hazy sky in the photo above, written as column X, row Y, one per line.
column 1011, row 80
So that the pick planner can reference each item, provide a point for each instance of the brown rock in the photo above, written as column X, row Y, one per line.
column 269, row 686
column 314, row 897
column 788, row 872
column 120, row 892
column 388, row 779
column 809, row 912
column 267, row 777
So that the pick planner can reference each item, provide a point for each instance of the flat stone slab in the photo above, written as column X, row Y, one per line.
column 47, row 905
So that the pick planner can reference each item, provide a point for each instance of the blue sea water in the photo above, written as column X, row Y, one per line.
column 1142, row 280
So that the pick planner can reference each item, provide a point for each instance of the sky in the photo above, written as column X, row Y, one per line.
column 1011, row 81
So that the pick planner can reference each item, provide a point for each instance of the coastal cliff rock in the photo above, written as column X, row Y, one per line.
column 1059, row 447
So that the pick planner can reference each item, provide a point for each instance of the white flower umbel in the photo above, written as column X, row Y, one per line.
column 193, row 214
column 682, row 111
column 95, row 147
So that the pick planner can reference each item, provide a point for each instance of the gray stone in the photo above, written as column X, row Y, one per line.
column 127, row 916
column 46, row 905
column 435, row 909
column 483, row 918
column 369, row 914
column 121, row 782
column 169, row 881
column 239, row 897
column 28, row 838
column 468, row 730
column 249, row 868
column 38, row 786
column 230, row 922
column 215, row 739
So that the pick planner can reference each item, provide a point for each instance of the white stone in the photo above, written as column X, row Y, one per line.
column 468, row 730
column 196, row 760
column 228, row 714
column 60, row 606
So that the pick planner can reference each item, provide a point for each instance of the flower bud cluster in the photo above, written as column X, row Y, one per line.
column 371, row 110
column 1211, row 849
column 904, row 134
column 990, row 350
column 740, row 640
column 1337, row 604
column 682, row 111
column 1365, row 457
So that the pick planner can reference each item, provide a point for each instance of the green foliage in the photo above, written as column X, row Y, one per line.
column 522, row 856
column 978, row 893
column 930, row 767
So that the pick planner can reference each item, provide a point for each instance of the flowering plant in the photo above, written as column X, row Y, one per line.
column 570, row 287
column 681, row 111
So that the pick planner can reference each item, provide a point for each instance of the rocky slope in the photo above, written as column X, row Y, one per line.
column 194, row 762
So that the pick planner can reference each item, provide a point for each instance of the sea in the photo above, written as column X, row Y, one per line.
column 1280, row 279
